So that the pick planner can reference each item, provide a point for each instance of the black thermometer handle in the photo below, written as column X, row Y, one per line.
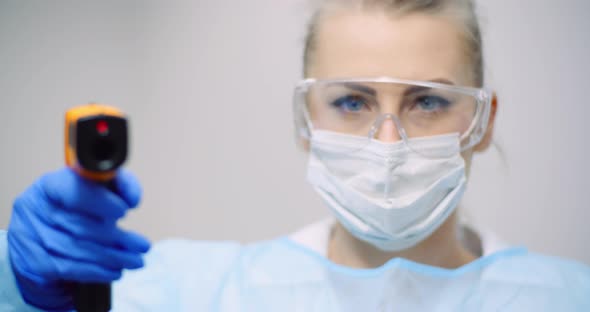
column 92, row 297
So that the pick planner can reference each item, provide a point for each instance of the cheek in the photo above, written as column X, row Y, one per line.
column 321, row 116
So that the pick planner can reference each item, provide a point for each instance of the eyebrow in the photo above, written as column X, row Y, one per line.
column 413, row 89
column 443, row 81
column 360, row 88
column 418, row 89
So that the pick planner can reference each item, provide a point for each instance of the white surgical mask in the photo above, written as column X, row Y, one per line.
column 386, row 193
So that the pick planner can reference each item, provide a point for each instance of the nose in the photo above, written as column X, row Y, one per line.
column 387, row 131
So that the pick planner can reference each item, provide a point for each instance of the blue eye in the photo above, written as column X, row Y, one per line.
column 431, row 103
column 350, row 103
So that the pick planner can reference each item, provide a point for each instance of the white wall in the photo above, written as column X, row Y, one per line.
column 208, row 87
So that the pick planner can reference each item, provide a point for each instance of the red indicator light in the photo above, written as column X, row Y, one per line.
column 102, row 127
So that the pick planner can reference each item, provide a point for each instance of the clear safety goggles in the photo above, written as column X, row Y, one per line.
column 407, row 110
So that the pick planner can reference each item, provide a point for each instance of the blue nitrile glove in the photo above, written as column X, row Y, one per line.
column 63, row 230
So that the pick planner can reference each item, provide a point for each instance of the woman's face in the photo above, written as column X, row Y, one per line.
column 372, row 43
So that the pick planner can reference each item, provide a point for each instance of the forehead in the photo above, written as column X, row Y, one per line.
column 360, row 43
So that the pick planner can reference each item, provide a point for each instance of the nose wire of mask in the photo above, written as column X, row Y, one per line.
column 390, row 158
column 390, row 162
column 385, row 193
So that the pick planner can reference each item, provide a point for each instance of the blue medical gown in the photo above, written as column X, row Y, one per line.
column 280, row 275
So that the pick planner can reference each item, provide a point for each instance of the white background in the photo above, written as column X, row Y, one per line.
column 207, row 85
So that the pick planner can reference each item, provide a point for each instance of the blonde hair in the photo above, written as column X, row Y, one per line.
column 462, row 10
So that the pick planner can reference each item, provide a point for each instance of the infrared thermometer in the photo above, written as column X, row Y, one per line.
column 96, row 141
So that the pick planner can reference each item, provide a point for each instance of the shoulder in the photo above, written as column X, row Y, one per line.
column 178, row 273
column 549, row 270
column 182, row 252
column 181, row 257
column 542, row 278
column 280, row 262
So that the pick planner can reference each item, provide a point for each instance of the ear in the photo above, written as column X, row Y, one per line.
column 304, row 144
column 487, row 138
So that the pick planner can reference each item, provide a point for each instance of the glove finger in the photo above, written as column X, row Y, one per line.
column 27, row 255
column 55, row 242
column 107, row 234
column 64, row 246
column 78, row 271
column 38, row 249
column 134, row 242
column 128, row 187
column 70, row 191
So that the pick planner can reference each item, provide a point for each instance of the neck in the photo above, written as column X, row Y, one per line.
column 442, row 249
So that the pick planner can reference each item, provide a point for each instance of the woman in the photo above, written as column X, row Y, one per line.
column 390, row 117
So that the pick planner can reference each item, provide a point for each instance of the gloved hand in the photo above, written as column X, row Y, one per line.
column 63, row 230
